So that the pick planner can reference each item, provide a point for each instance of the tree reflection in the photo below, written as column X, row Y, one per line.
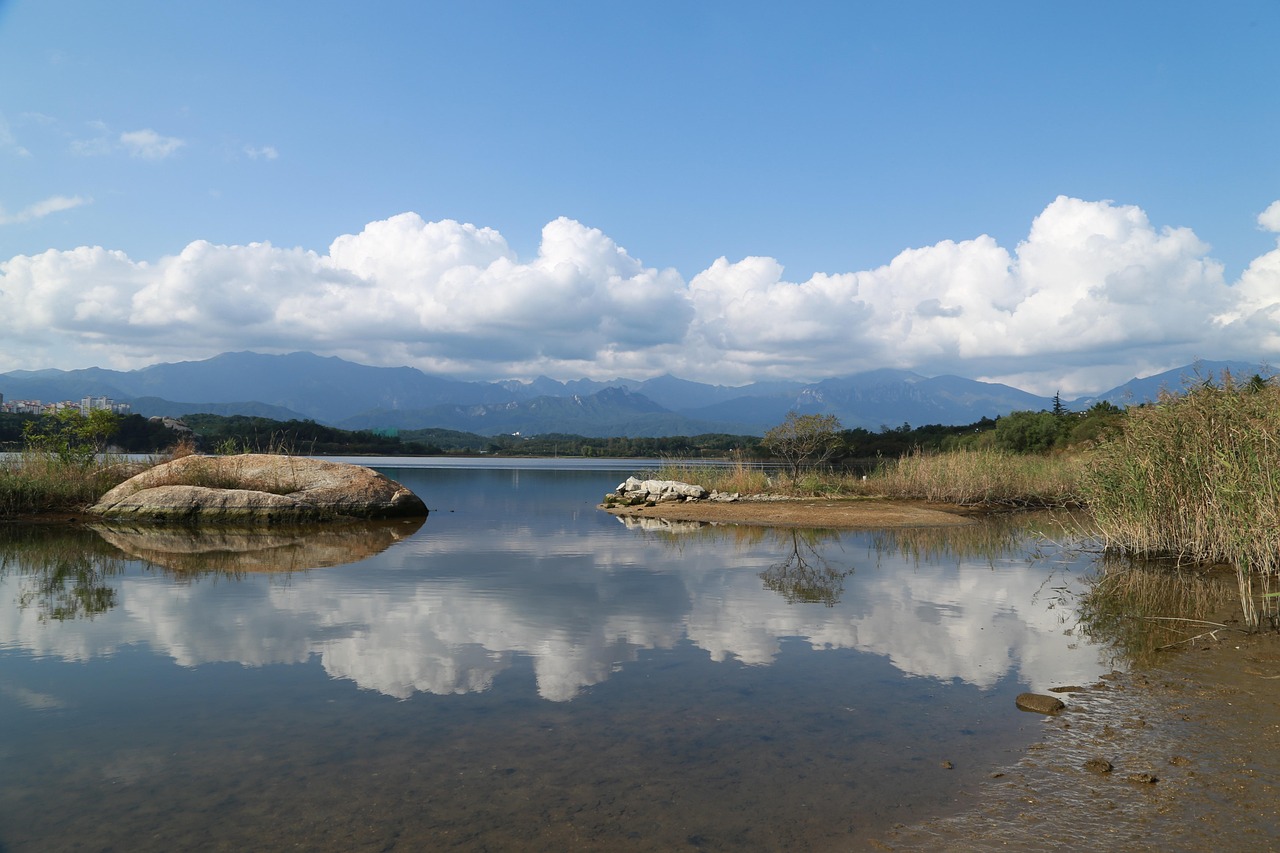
column 804, row 574
column 63, row 574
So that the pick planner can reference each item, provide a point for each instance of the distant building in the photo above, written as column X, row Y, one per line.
column 85, row 406
column 93, row 404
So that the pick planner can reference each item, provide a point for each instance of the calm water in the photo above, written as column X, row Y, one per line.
column 521, row 671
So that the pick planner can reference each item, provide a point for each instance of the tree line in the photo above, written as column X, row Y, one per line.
column 1018, row 432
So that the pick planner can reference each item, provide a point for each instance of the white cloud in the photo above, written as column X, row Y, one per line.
column 265, row 152
column 1269, row 219
column 1095, row 294
column 455, row 633
column 149, row 145
column 41, row 209
column 8, row 142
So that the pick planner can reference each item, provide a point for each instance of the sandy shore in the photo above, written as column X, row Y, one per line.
column 851, row 513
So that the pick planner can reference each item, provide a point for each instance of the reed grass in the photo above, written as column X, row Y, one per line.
column 971, row 477
column 739, row 477
column 983, row 477
column 35, row 482
column 1196, row 477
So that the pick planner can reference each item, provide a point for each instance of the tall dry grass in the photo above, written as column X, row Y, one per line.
column 740, row 476
column 982, row 477
column 978, row 477
column 1196, row 477
column 34, row 482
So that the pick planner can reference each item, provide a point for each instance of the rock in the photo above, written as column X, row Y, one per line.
column 1142, row 778
column 632, row 491
column 1039, row 703
column 257, row 488
column 1098, row 765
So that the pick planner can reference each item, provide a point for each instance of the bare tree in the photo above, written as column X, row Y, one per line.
column 803, row 440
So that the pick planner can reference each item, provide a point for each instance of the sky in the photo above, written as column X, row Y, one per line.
column 1056, row 196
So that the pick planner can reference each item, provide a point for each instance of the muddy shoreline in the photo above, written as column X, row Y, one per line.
column 1191, row 744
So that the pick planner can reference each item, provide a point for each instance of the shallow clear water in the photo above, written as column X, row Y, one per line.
column 521, row 671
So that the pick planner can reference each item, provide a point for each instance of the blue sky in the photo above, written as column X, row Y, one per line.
column 1056, row 195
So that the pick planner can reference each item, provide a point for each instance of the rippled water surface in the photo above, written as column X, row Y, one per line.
column 521, row 671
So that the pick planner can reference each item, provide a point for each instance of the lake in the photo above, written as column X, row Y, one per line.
column 519, row 671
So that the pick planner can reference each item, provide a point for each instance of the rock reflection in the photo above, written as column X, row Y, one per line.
column 230, row 551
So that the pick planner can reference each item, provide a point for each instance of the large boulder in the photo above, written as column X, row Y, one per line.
column 257, row 488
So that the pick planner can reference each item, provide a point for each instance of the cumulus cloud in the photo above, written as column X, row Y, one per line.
column 1094, row 293
column 1269, row 219
column 41, row 209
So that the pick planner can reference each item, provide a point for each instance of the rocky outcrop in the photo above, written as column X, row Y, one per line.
column 636, row 492
column 257, row 488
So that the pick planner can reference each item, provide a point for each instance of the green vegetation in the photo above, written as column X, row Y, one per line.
column 803, row 441
column 244, row 434
column 1197, row 477
column 60, row 469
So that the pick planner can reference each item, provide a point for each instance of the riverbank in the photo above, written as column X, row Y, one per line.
column 836, row 513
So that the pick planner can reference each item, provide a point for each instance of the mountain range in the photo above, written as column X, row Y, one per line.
column 341, row 393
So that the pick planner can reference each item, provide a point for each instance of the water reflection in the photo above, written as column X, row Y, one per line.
column 60, row 574
column 202, row 550
column 1137, row 609
column 804, row 574
column 449, row 613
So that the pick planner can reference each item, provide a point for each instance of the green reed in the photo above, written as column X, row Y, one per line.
column 1196, row 477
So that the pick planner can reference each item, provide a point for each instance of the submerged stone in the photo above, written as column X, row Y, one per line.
column 1039, row 703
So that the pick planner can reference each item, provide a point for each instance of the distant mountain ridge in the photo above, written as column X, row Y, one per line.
column 342, row 393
